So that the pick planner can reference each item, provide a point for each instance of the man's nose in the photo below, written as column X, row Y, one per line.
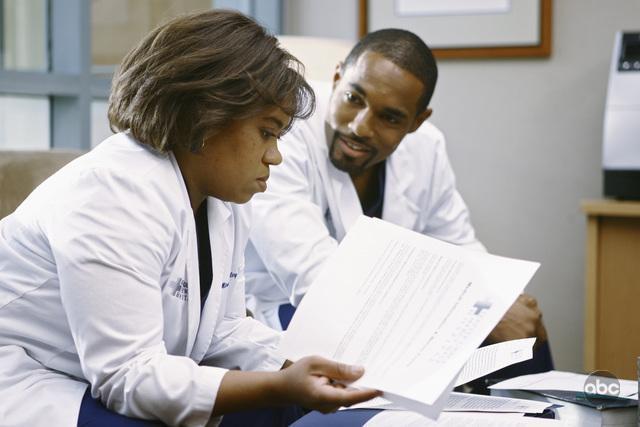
column 361, row 124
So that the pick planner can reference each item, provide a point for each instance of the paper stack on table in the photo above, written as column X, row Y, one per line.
column 566, row 390
column 409, row 308
column 483, row 361
column 561, row 381
column 494, row 357
column 412, row 419
column 466, row 402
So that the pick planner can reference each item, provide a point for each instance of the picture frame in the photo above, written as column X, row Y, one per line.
column 524, row 30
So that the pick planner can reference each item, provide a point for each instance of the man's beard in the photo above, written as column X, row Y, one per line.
column 345, row 163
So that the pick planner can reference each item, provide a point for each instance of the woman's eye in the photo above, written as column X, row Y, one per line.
column 267, row 135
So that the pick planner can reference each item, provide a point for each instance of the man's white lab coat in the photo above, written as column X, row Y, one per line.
column 310, row 205
column 99, row 285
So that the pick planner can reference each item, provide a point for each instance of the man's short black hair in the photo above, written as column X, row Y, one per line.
column 404, row 49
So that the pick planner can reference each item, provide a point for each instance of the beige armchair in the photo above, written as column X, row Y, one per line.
column 22, row 171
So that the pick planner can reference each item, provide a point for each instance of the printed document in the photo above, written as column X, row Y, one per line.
column 467, row 402
column 409, row 308
column 411, row 419
column 496, row 356
column 562, row 381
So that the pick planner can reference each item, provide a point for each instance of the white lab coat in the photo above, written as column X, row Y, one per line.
column 310, row 205
column 99, row 285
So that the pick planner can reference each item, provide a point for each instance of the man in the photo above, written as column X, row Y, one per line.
column 367, row 149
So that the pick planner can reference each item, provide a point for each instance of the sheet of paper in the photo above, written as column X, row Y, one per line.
column 431, row 410
column 376, row 403
column 493, row 357
column 452, row 419
column 451, row 7
column 466, row 402
column 409, row 308
column 559, row 380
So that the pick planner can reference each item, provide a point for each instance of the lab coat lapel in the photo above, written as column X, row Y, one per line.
column 342, row 199
column 343, row 202
column 193, row 279
column 189, row 256
column 346, row 208
column 398, row 207
column 221, row 240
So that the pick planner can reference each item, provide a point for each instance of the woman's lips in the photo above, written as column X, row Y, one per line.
column 262, row 182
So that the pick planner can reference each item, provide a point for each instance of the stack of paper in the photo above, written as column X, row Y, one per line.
column 491, row 358
column 410, row 309
column 566, row 390
column 483, row 361
column 465, row 402
column 561, row 381
column 411, row 419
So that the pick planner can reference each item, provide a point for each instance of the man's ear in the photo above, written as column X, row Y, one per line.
column 420, row 118
column 337, row 75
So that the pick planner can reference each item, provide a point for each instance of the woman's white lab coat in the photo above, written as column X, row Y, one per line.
column 310, row 205
column 99, row 285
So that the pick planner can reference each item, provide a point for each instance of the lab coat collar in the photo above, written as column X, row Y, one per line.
column 398, row 204
column 344, row 205
column 343, row 201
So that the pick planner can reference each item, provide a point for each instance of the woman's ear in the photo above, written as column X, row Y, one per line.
column 337, row 75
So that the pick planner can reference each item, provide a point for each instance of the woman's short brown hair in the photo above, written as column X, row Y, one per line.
column 192, row 76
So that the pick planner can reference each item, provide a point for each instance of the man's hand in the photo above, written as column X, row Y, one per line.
column 317, row 383
column 522, row 320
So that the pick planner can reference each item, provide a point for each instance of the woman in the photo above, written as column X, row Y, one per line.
column 121, row 276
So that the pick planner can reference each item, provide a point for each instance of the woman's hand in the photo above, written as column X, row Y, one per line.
column 317, row 383
column 312, row 382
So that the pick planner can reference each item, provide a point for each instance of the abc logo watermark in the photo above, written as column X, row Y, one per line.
column 601, row 385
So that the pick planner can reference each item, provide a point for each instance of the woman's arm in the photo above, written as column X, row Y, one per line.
column 312, row 382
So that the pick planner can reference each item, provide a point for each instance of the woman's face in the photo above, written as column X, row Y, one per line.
column 234, row 163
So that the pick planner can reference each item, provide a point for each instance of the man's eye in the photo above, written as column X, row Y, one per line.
column 351, row 97
column 391, row 119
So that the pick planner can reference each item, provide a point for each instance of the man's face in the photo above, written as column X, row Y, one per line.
column 373, row 106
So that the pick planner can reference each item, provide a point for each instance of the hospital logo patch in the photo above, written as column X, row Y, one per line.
column 182, row 290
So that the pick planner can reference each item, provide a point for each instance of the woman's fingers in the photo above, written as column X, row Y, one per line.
column 340, row 372
column 320, row 384
column 338, row 397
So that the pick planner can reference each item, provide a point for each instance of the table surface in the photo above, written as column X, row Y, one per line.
column 610, row 207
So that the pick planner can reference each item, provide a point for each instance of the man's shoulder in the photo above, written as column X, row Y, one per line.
column 426, row 141
column 427, row 131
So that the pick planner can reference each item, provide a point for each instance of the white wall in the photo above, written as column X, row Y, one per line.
column 525, row 140
column 321, row 18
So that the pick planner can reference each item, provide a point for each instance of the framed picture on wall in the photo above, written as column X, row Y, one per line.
column 467, row 28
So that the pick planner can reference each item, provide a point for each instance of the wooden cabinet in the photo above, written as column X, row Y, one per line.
column 612, row 297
